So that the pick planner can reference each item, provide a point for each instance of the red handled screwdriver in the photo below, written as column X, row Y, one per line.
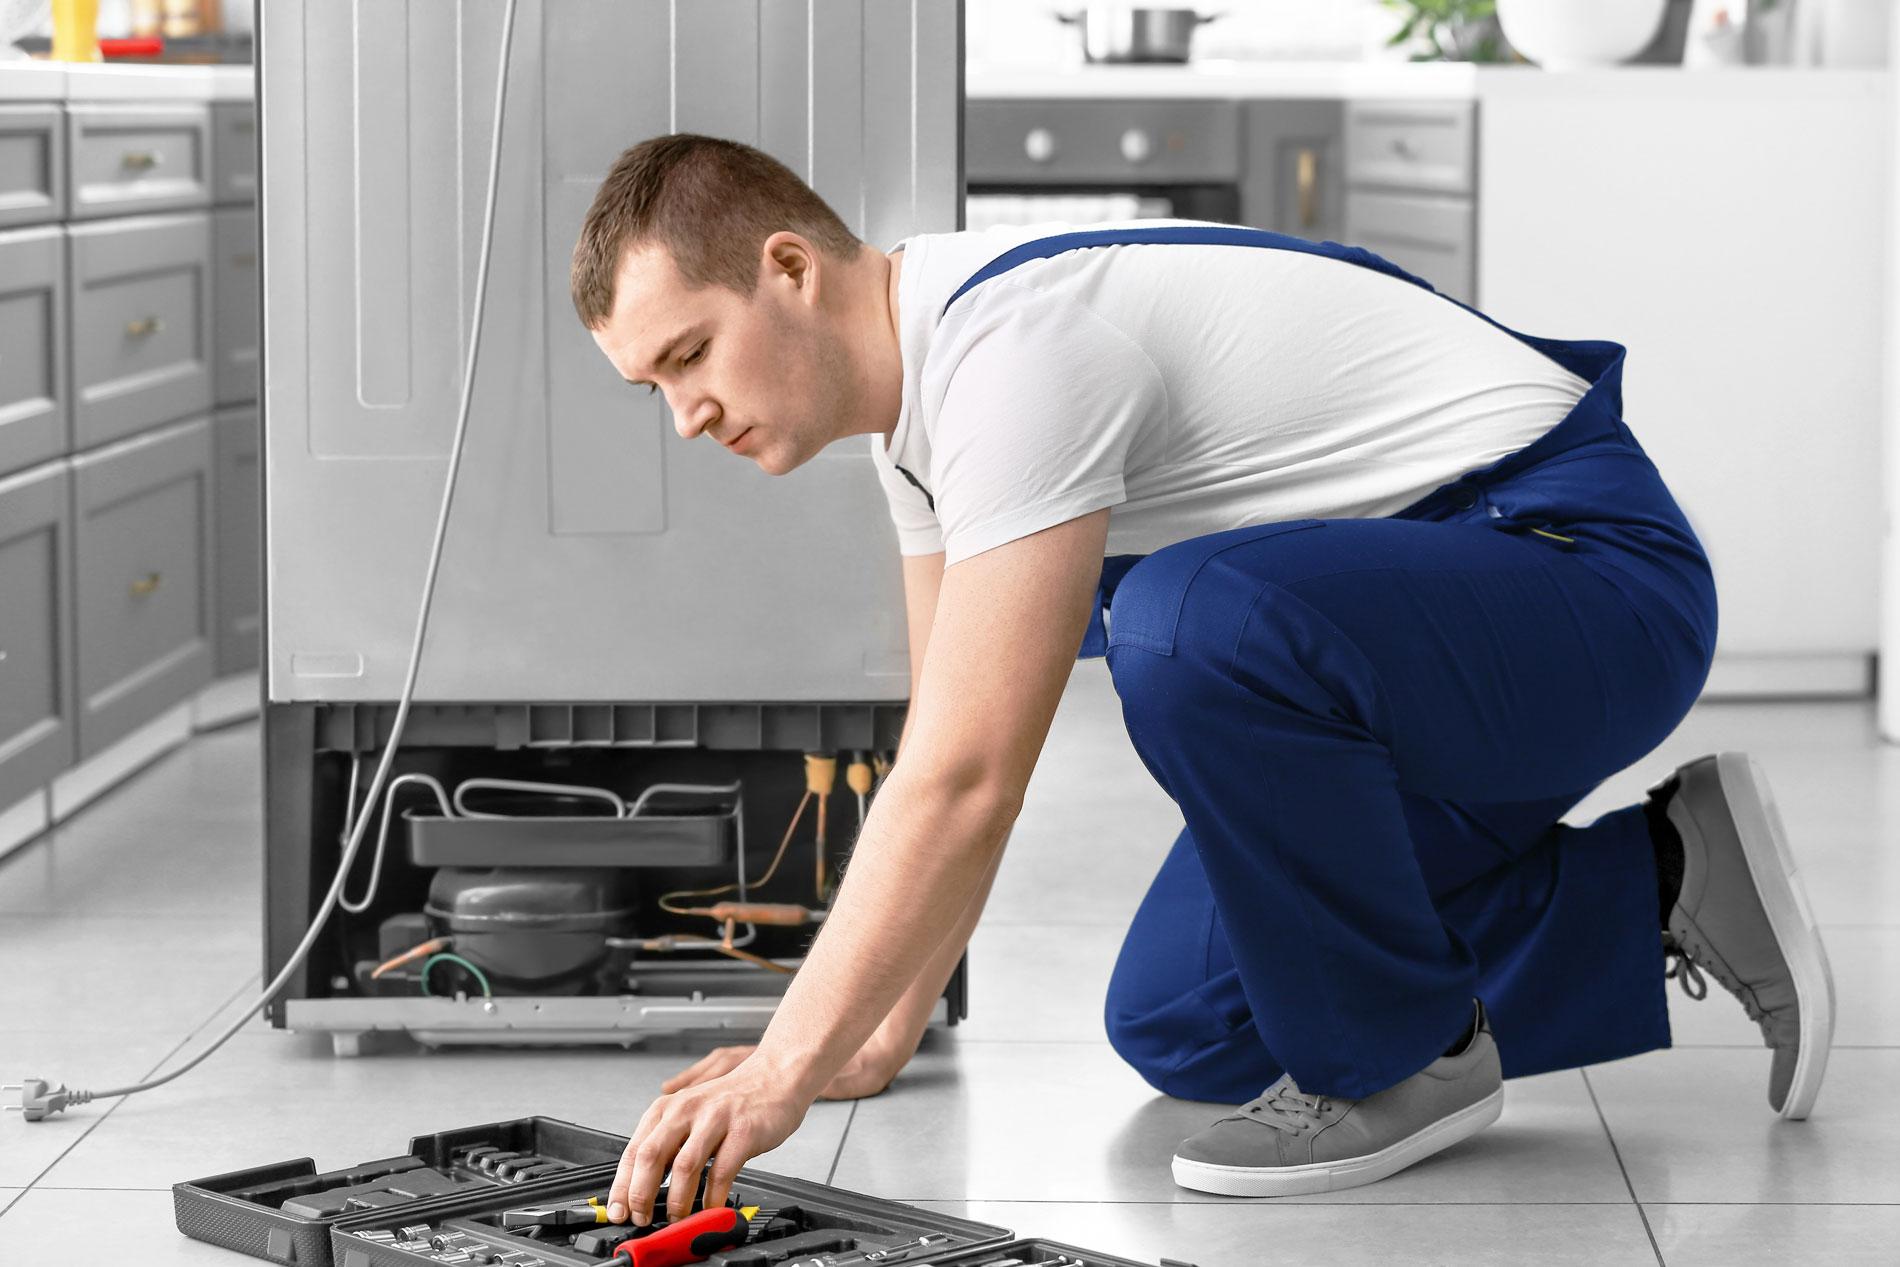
column 691, row 1240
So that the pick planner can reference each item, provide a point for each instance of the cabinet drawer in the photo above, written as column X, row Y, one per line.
column 33, row 391
column 141, row 324
column 1410, row 145
column 138, row 158
column 233, row 152
column 36, row 663
column 240, row 539
column 1130, row 143
column 32, row 165
column 141, row 549
column 1429, row 237
column 234, row 304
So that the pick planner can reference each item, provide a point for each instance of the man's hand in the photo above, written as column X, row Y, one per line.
column 728, row 1119
column 866, row 1074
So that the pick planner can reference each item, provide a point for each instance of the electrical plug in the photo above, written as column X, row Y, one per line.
column 39, row 1099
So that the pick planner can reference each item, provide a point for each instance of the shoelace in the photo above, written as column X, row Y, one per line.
column 1683, row 967
column 1285, row 1107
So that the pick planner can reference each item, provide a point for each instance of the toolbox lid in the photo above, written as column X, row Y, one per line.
column 283, row 1212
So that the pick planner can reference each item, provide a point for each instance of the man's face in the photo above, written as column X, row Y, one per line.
column 767, row 375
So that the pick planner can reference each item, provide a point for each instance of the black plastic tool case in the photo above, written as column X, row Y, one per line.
column 244, row 1211
column 433, row 1184
column 1034, row 1252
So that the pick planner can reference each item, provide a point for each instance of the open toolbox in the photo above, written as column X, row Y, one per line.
column 517, row 1193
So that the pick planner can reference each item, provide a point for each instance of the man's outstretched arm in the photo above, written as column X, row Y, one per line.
column 1007, row 626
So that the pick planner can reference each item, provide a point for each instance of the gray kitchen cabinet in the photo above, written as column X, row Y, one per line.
column 1419, row 145
column 1429, row 237
column 234, row 303
column 240, row 539
column 141, row 324
column 33, row 390
column 36, row 663
column 233, row 152
column 138, row 158
column 1410, row 182
column 32, row 165
column 142, row 529
column 1291, row 178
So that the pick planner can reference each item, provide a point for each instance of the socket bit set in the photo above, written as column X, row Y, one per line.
column 532, row 1192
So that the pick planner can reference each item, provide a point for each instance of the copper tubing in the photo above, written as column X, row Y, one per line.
column 427, row 948
column 780, row 914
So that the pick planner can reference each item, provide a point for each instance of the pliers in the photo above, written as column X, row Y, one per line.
column 588, row 1215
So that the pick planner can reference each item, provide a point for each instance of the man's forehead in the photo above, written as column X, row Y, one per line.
column 652, row 304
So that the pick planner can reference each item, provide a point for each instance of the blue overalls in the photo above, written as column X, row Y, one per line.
column 1372, row 727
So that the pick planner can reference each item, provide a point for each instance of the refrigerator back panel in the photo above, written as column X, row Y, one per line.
column 592, row 554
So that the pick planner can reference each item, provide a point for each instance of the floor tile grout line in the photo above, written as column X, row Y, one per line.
column 842, row 1137
column 1617, row 1153
column 118, row 1100
column 1268, row 1202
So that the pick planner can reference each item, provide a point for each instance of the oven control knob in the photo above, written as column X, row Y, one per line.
column 1136, row 147
column 1040, row 145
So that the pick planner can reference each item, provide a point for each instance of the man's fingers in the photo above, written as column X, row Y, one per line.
column 733, row 1153
column 648, row 1154
column 714, row 1064
column 687, row 1163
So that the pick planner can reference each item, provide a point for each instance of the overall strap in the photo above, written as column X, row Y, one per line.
column 1177, row 235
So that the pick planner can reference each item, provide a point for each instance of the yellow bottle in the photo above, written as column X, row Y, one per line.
column 76, row 30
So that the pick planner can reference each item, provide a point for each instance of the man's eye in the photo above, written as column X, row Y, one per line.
column 698, row 354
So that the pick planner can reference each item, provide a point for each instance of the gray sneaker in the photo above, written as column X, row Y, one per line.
column 1743, row 918
column 1288, row 1142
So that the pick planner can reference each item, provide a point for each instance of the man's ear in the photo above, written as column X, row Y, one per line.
column 789, row 258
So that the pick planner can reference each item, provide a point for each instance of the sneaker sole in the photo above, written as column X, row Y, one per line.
column 1777, row 880
column 1351, row 1172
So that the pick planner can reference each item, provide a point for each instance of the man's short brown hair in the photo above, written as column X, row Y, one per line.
column 711, row 203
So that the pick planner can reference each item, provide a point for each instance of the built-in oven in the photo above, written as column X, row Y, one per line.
column 1084, row 161
column 1272, row 164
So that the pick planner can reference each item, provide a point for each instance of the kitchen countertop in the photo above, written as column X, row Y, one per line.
column 1455, row 81
column 38, row 80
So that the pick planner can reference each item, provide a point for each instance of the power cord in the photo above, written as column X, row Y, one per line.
column 40, row 1099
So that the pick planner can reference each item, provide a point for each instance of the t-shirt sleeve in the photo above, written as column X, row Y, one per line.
column 1042, row 401
column 918, row 531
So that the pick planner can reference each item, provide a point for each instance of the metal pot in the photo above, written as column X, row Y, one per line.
column 1118, row 33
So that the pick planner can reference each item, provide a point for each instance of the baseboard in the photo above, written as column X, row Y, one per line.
column 1790, row 676
column 22, row 822
column 85, row 782
column 227, row 700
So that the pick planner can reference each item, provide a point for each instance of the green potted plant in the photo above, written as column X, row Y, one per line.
column 1456, row 30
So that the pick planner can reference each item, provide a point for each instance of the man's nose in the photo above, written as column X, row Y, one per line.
column 694, row 418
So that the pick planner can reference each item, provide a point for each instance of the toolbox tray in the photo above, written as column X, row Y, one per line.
column 870, row 1222
column 648, row 840
column 243, row 1210
column 1033, row 1251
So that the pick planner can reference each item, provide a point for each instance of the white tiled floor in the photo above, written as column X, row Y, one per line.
column 127, row 932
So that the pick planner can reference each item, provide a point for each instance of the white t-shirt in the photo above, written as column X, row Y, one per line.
column 1192, row 389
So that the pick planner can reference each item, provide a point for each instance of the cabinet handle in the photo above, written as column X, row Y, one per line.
column 146, row 584
column 143, row 326
column 141, row 160
column 1308, row 179
column 1403, row 147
